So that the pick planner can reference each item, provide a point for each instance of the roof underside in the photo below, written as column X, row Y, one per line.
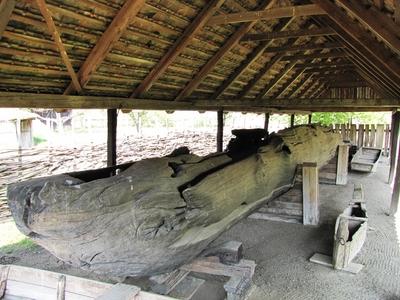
column 181, row 51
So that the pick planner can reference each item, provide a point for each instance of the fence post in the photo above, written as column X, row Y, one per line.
column 342, row 165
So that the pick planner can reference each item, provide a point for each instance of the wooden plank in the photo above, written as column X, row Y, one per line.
column 6, row 9
column 372, row 136
column 232, row 41
column 362, row 41
column 30, row 100
column 360, row 135
column 106, row 42
column 353, row 134
column 41, row 4
column 394, row 144
column 268, row 36
column 121, row 291
column 112, row 117
column 342, row 165
column 379, row 142
column 183, row 40
column 267, row 14
column 367, row 135
column 380, row 24
column 220, row 131
column 310, row 194
column 250, row 59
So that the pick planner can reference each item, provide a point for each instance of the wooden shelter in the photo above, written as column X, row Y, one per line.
column 238, row 55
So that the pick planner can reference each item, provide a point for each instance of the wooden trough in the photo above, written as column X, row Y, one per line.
column 366, row 159
column 350, row 235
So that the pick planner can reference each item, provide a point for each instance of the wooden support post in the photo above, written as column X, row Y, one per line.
column 220, row 131
column 394, row 144
column 112, row 137
column 394, row 205
column 291, row 120
column 342, row 165
column 310, row 119
column 310, row 194
column 266, row 124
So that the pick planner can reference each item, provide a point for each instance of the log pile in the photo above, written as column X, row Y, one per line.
column 156, row 214
column 21, row 165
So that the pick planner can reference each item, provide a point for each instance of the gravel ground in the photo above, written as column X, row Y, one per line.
column 281, row 250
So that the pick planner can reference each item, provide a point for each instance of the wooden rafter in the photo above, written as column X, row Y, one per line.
column 300, row 85
column 260, row 74
column 282, row 90
column 184, row 39
column 373, row 52
column 250, row 59
column 41, row 4
column 232, row 41
column 104, row 45
column 256, row 37
column 6, row 9
column 282, row 74
column 267, row 14
column 397, row 11
column 333, row 54
column 376, row 21
column 309, row 46
column 324, row 65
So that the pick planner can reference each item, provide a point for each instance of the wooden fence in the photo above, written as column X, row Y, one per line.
column 366, row 135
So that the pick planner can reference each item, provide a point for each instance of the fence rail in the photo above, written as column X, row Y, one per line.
column 366, row 135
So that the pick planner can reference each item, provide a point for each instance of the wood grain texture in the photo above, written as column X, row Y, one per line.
column 159, row 213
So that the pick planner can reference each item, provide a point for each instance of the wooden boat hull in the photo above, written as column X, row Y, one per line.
column 366, row 159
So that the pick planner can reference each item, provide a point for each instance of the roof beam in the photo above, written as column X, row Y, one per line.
column 267, row 14
column 104, row 45
column 308, row 46
column 318, row 65
column 87, row 102
column 268, row 36
column 232, row 41
column 6, row 9
column 397, row 11
column 184, row 39
column 41, row 4
column 335, row 54
column 376, row 21
column 250, row 59
column 300, row 85
column 370, row 48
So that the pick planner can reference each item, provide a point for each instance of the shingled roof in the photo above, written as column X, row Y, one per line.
column 233, row 54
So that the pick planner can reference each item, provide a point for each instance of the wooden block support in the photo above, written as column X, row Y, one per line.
column 342, row 165
column 310, row 194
